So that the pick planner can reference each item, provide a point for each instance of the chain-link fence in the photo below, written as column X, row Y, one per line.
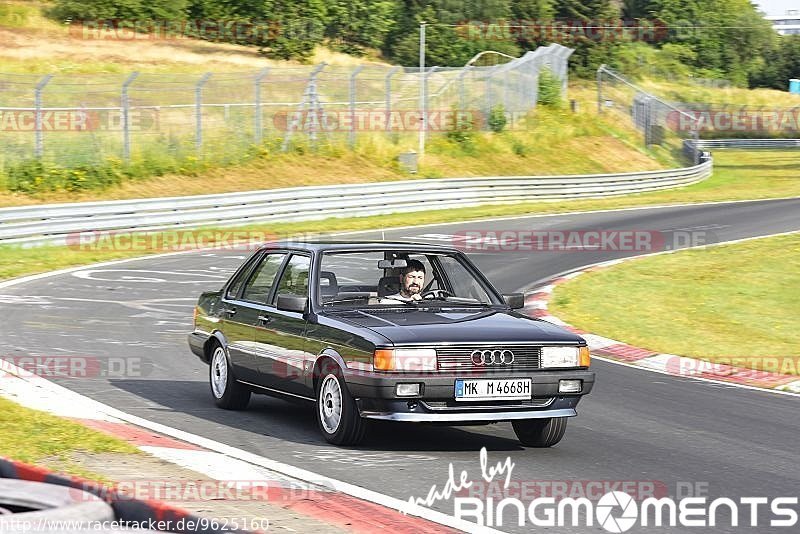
column 85, row 119
column 661, row 123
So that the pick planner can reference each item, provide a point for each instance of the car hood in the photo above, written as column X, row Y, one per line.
column 457, row 326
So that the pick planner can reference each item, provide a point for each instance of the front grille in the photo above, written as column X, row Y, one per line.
column 453, row 405
column 459, row 358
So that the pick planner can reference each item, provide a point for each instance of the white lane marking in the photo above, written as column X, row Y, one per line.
column 141, row 276
column 362, row 458
column 220, row 467
column 37, row 386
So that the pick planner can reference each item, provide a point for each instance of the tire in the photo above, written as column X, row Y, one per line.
column 337, row 413
column 227, row 392
column 540, row 432
column 41, row 502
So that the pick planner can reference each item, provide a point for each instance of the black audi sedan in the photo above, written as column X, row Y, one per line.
column 392, row 331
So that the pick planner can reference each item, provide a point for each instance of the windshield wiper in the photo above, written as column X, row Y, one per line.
column 344, row 299
column 406, row 302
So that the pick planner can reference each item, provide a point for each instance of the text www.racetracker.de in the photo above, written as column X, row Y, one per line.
column 180, row 525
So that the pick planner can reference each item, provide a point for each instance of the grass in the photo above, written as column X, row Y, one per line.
column 689, row 93
column 37, row 437
column 553, row 141
column 738, row 300
column 739, row 175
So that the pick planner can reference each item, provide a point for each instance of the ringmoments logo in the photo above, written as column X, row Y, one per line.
column 614, row 511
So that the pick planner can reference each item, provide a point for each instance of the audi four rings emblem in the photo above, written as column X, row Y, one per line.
column 492, row 357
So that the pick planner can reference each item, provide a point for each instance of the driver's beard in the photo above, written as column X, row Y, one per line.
column 411, row 290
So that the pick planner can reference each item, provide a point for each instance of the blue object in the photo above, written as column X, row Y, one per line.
column 794, row 86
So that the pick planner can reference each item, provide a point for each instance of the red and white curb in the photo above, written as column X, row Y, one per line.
column 321, row 498
column 615, row 351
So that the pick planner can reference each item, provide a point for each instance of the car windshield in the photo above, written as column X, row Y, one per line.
column 399, row 278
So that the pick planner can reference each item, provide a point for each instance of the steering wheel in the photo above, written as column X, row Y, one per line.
column 436, row 294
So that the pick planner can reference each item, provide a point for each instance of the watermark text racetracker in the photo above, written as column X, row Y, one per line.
column 77, row 120
column 172, row 241
column 73, row 366
column 494, row 500
column 629, row 240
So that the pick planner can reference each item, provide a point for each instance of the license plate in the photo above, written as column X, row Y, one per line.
column 493, row 389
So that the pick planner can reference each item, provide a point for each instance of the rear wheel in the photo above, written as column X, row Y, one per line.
column 227, row 392
column 540, row 432
column 337, row 413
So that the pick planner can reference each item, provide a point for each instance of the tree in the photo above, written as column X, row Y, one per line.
column 357, row 24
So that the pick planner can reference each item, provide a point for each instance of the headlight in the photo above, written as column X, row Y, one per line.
column 405, row 360
column 565, row 357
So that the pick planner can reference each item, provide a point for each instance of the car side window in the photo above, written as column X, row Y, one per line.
column 233, row 288
column 294, row 280
column 260, row 283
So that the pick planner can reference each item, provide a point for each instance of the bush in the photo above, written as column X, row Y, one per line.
column 549, row 88
column 497, row 119
column 462, row 132
column 33, row 176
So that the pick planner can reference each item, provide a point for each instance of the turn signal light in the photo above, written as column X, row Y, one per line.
column 384, row 359
column 412, row 360
column 584, row 357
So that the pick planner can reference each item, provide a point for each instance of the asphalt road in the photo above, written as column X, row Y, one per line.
column 635, row 426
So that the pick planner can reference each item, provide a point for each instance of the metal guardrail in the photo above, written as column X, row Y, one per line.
column 59, row 223
column 745, row 143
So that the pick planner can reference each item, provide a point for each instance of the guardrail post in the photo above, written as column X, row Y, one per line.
column 198, row 111
column 37, row 102
column 126, row 117
column 352, row 133
column 388, row 84
column 257, row 124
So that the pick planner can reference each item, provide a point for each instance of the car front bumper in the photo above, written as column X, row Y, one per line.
column 376, row 398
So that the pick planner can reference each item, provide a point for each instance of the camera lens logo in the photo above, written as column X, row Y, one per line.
column 605, row 507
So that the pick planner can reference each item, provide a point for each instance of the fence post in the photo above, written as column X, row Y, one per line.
column 422, row 90
column 462, row 97
column 388, row 83
column 257, row 125
column 600, row 88
column 488, row 89
column 198, row 111
column 37, row 102
column 424, row 115
column 352, row 133
column 126, row 117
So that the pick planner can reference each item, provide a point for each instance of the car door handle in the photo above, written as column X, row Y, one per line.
column 264, row 319
column 229, row 311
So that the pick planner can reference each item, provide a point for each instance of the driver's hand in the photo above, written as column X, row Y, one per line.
column 416, row 296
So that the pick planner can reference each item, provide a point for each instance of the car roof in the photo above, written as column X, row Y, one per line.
column 324, row 245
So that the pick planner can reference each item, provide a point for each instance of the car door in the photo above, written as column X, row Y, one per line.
column 241, row 315
column 280, row 335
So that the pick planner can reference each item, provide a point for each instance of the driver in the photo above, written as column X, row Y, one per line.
column 412, row 280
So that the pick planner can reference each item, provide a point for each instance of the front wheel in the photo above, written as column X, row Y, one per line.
column 337, row 413
column 540, row 432
column 227, row 392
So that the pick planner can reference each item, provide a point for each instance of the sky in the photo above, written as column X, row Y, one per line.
column 777, row 7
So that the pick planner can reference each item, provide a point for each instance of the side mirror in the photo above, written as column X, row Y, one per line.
column 292, row 303
column 515, row 300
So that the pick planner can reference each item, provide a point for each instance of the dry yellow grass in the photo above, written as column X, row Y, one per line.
column 33, row 43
